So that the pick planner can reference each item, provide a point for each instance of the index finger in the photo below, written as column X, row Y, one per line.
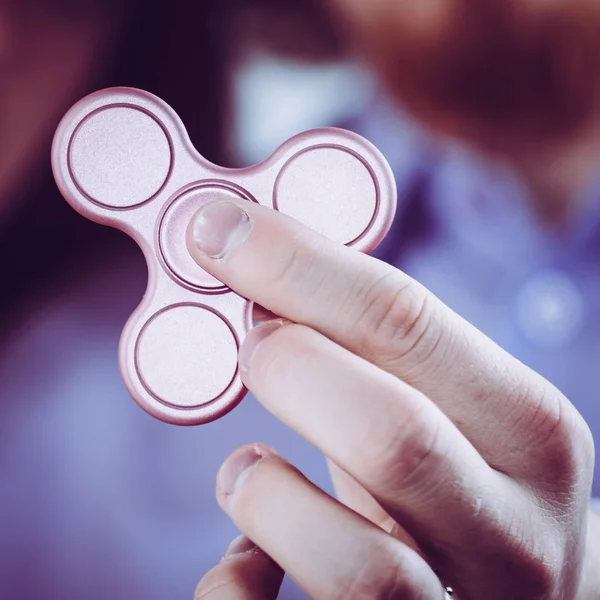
column 380, row 313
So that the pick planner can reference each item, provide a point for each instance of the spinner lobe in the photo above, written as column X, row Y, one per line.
column 120, row 156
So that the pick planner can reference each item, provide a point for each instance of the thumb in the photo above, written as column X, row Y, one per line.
column 245, row 573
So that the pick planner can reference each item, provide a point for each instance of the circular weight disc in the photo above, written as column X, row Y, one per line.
column 186, row 356
column 330, row 189
column 120, row 156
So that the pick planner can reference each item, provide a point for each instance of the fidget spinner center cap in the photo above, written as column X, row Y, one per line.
column 173, row 226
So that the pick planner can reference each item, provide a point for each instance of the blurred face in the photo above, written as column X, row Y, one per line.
column 501, row 73
column 50, row 50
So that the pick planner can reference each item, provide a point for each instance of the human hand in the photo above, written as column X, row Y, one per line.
column 450, row 456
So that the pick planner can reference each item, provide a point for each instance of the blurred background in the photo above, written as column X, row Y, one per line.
column 494, row 142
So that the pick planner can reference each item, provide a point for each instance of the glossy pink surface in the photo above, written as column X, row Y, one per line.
column 122, row 157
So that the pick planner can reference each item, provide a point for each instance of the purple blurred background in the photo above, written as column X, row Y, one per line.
column 96, row 498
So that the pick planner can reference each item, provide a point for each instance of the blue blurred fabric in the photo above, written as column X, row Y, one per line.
column 98, row 500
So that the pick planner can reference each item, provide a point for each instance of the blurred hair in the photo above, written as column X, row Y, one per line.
column 498, row 72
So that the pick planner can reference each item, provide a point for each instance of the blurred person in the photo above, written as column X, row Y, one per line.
column 453, row 462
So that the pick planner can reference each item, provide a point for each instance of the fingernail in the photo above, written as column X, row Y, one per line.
column 236, row 469
column 218, row 228
column 240, row 545
column 254, row 339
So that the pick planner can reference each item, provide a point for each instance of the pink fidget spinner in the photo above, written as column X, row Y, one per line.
column 122, row 157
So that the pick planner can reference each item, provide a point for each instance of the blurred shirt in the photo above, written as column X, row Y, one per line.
column 99, row 500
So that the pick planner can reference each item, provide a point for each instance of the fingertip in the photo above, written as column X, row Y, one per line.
column 240, row 545
column 218, row 228
column 254, row 339
column 237, row 467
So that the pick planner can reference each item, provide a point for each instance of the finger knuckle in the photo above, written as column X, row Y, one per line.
column 396, row 319
column 571, row 449
column 558, row 434
column 539, row 571
column 423, row 456
column 528, row 548
column 409, row 454
column 541, row 580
